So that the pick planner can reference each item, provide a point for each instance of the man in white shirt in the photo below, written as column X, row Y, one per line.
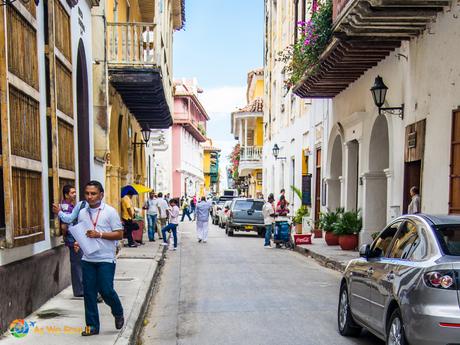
column 163, row 207
column 268, row 212
column 202, row 219
column 151, row 205
column 173, row 222
column 104, row 226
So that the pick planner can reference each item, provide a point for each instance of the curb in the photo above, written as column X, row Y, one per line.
column 134, row 322
column 321, row 259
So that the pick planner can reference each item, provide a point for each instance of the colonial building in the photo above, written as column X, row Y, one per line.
column 294, row 125
column 46, row 113
column 247, row 128
column 132, row 44
column 379, row 148
column 211, row 168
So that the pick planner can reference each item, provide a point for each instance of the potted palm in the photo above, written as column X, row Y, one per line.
column 297, row 219
column 327, row 221
column 347, row 228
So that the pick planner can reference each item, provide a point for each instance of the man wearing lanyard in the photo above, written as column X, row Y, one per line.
column 99, row 267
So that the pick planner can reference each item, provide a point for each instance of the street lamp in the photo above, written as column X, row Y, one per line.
column 276, row 152
column 145, row 136
column 379, row 92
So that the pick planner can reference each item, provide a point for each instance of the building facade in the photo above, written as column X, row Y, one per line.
column 374, row 156
column 293, row 124
column 247, row 128
column 211, row 169
column 46, row 141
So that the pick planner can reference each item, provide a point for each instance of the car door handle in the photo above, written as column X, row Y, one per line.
column 390, row 276
column 370, row 271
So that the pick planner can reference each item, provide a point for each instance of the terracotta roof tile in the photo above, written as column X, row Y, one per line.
column 256, row 106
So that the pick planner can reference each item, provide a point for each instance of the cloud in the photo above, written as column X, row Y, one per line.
column 221, row 101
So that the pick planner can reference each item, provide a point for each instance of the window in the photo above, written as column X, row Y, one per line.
column 382, row 243
column 449, row 239
column 409, row 245
column 245, row 205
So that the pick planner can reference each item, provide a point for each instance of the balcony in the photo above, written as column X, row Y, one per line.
column 364, row 33
column 135, row 73
column 250, row 159
column 194, row 128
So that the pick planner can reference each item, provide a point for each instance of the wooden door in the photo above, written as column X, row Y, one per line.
column 318, row 185
column 454, row 197
column 412, row 173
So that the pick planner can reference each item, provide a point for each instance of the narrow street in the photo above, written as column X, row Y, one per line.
column 233, row 291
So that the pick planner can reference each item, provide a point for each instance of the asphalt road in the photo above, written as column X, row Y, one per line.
column 233, row 291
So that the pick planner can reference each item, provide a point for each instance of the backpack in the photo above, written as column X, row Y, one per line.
column 82, row 206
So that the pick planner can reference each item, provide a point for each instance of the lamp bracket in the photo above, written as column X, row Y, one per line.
column 280, row 158
column 398, row 111
column 136, row 144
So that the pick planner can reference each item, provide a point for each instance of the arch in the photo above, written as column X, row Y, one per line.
column 335, row 174
column 84, row 159
column 379, row 145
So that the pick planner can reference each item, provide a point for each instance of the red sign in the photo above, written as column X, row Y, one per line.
column 302, row 239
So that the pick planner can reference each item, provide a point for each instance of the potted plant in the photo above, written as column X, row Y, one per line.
column 297, row 219
column 347, row 228
column 327, row 221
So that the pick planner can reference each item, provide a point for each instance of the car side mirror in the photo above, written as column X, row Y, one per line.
column 365, row 251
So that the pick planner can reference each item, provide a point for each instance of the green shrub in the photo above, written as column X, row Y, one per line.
column 349, row 222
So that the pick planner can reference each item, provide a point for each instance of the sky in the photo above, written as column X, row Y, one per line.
column 221, row 42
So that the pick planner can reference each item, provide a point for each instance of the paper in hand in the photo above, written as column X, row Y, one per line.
column 87, row 245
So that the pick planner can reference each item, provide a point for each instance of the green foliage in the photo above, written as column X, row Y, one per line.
column 297, row 191
column 303, row 211
column 327, row 220
column 350, row 222
column 314, row 36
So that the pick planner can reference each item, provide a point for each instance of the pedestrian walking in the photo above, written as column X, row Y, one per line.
column 268, row 211
column 151, row 205
column 67, row 205
column 193, row 207
column 414, row 206
column 162, row 212
column 173, row 223
column 98, row 267
column 202, row 219
column 185, row 210
column 127, row 216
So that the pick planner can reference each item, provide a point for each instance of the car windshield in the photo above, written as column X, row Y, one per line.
column 449, row 238
column 244, row 205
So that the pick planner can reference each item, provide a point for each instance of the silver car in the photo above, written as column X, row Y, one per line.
column 405, row 288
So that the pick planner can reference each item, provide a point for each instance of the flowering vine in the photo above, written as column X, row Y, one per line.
column 234, row 158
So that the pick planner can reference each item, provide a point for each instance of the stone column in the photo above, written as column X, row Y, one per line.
column 374, row 209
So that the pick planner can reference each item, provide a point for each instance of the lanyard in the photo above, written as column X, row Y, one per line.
column 97, row 218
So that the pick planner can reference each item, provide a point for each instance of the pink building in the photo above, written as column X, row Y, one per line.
column 188, row 132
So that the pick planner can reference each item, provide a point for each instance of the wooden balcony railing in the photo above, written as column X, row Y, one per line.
column 337, row 7
column 251, row 153
column 131, row 44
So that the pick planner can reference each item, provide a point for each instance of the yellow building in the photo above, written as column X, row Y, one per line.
column 211, row 157
column 247, row 128
column 132, row 84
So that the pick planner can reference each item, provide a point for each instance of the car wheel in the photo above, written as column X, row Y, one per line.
column 395, row 330
column 347, row 326
column 230, row 232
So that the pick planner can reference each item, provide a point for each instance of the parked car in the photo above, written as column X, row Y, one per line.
column 223, row 214
column 245, row 215
column 216, row 207
column 405, row 287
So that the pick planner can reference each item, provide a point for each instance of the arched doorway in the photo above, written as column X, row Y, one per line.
column 333, row 184
column 375, row 181
column 84, row 172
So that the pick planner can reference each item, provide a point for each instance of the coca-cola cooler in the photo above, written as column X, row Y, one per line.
column 302, row 239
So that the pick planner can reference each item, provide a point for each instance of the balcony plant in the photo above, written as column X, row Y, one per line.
column 347, row 228
column 327, row 222
column 201, row 129
column 234, row 158
column 314, row 36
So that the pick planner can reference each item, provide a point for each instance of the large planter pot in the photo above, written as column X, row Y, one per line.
column 348, row 242
column 298, row 229
column 318, row 233
column 331, row 238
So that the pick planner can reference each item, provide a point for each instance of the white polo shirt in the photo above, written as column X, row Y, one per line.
column 108, row 221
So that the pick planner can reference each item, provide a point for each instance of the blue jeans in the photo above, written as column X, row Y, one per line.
column 98, row 277
column 152, row 221
column 75, row 271
column 268, row 233
column 173, row 228
column 186, row 212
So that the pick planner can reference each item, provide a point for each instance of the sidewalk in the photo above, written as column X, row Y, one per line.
column 59, row 321
column 329, row 256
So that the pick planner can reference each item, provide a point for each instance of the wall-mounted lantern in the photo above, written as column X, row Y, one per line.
column 379, row 92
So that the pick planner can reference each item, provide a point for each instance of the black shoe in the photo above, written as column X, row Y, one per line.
column 99, row 299
column 119, row 322
column 79, row 295
column 199, row 241
column 89, row 331
column 151, row 240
